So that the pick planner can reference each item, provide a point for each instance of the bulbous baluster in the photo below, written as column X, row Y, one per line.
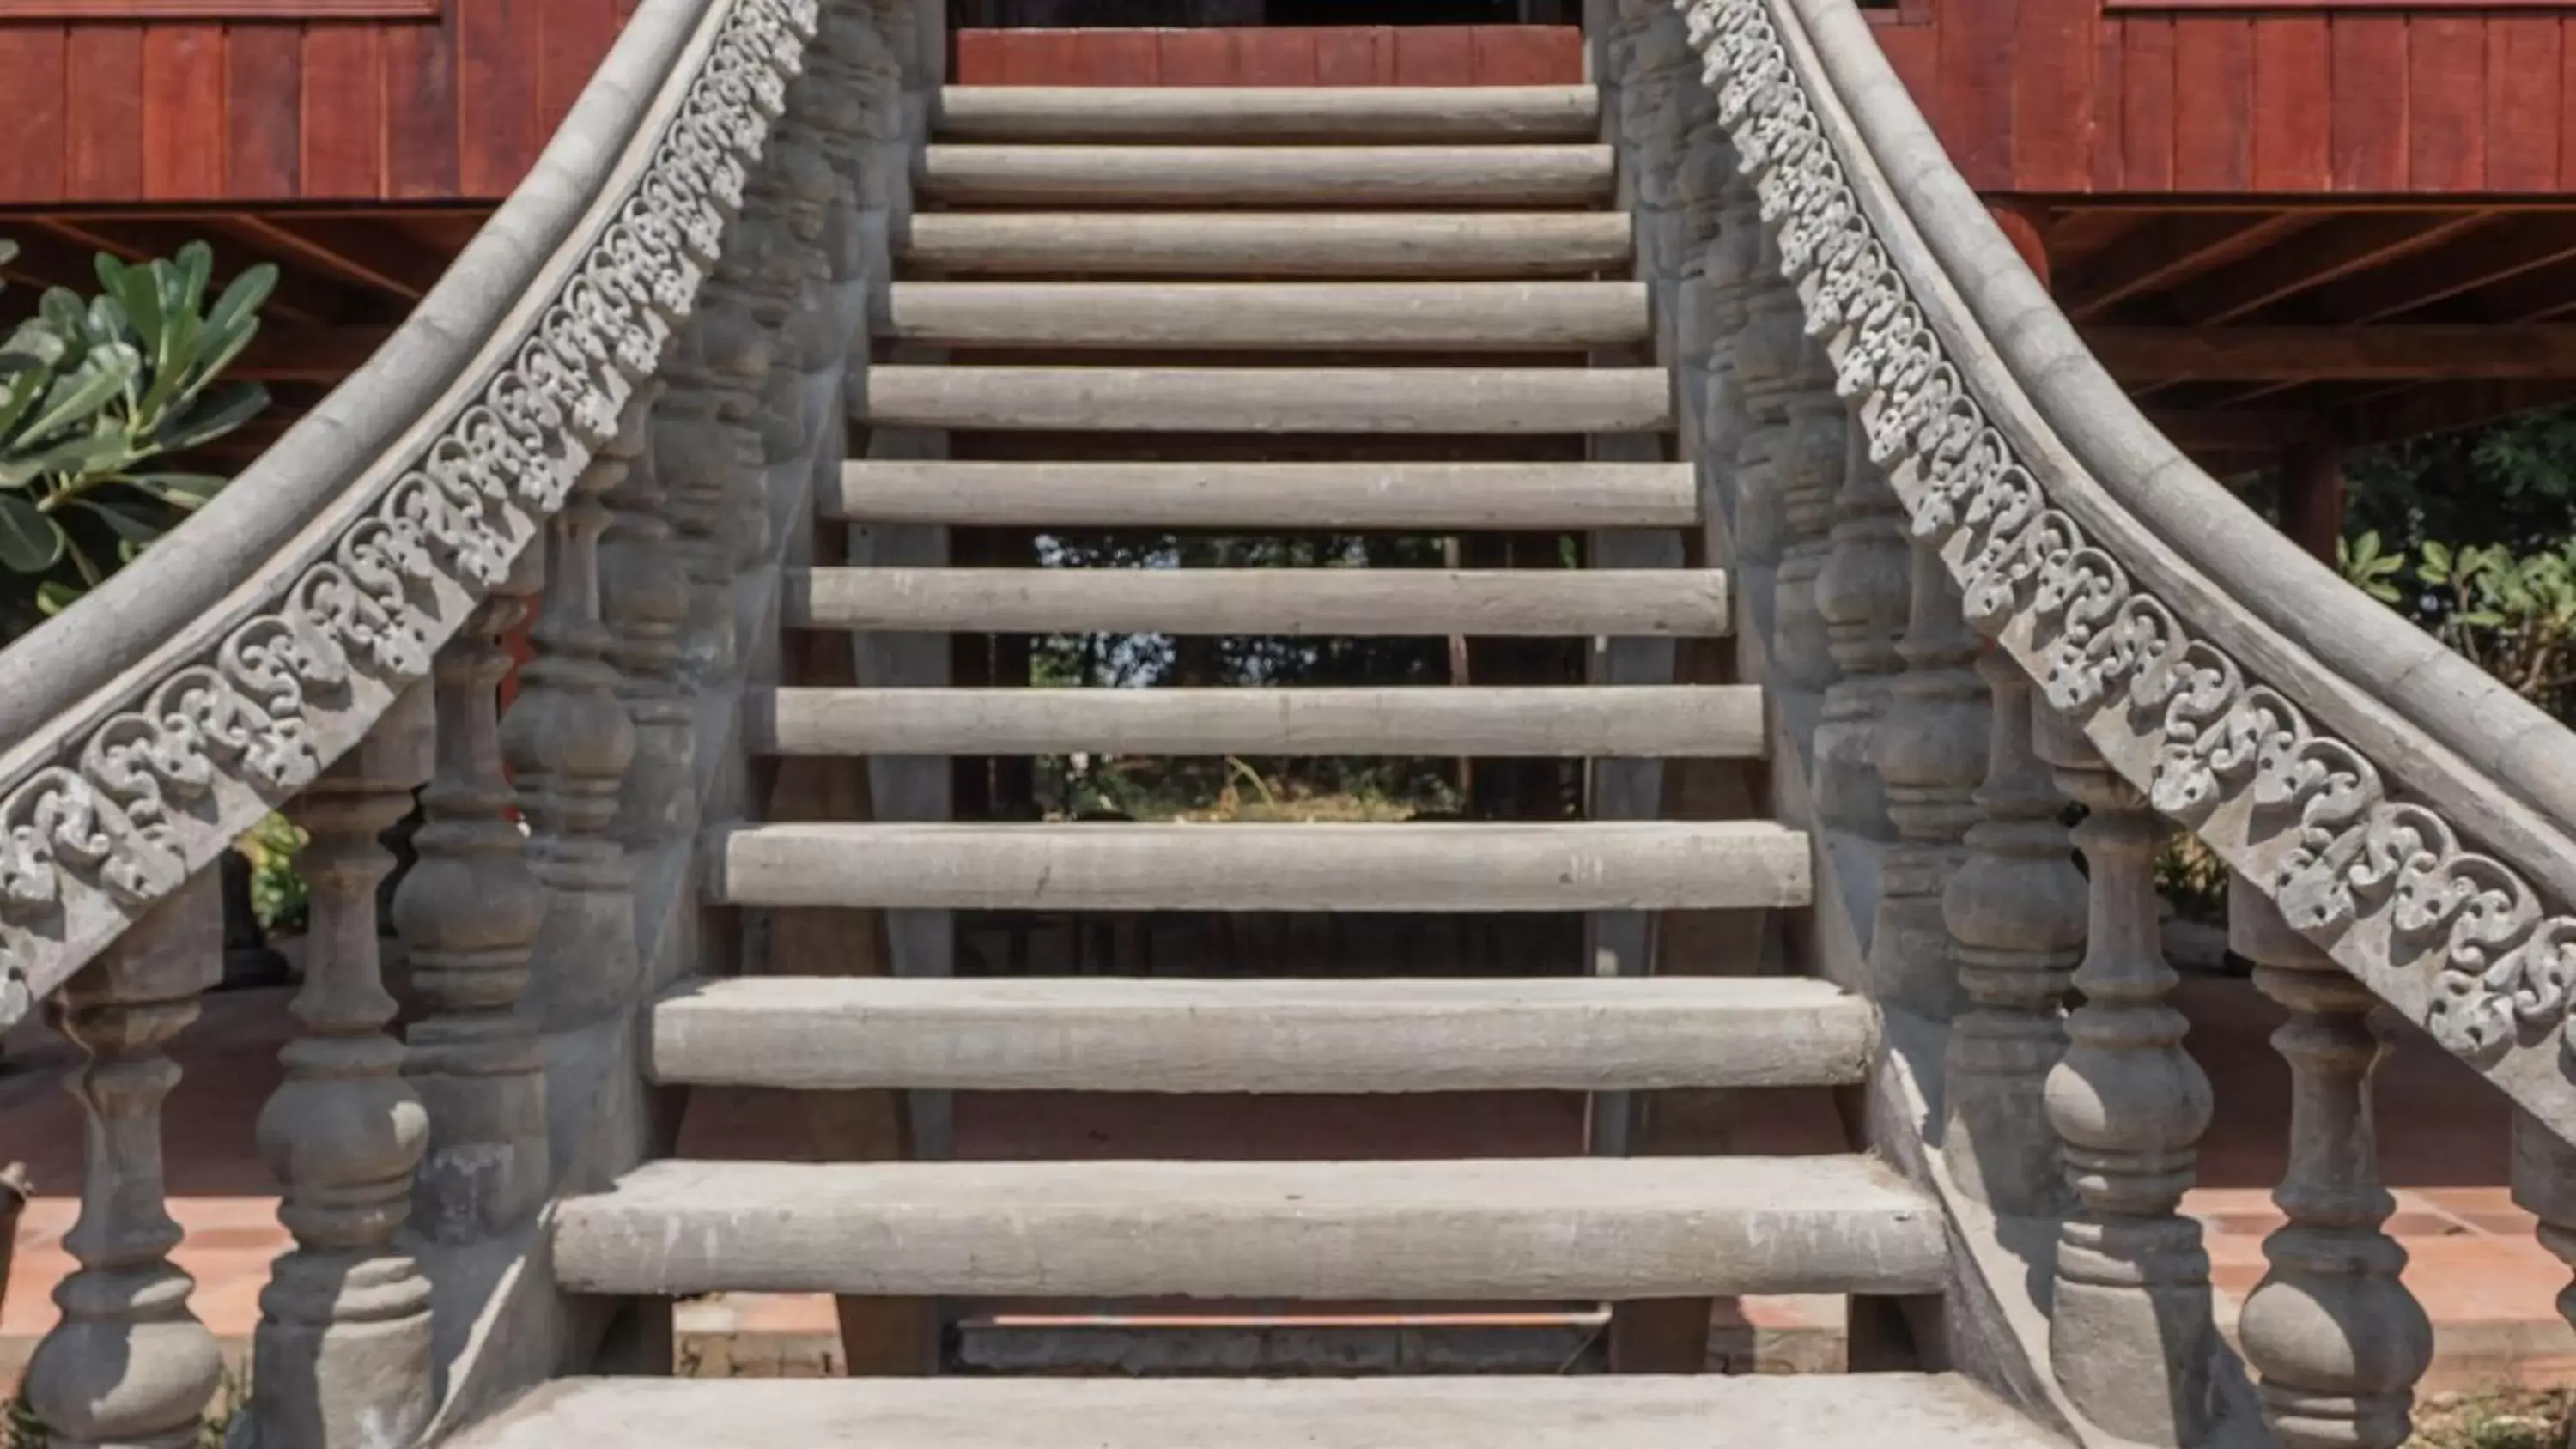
column 343, row 1354
column 2130, row 1333
column 2336, row 1337
column 467, row 912
column 128, row 1364
column 2015, row 910
column 1860, row 595
column 1930, row 752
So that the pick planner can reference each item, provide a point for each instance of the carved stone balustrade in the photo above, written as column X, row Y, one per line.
column 342, row 1359
column 2130, row 1331
column 1860, row 594
column 128, row 1364
column 2336, row 1338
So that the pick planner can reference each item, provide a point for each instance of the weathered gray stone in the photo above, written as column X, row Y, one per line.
column 1448, row 245
column 1268, row 115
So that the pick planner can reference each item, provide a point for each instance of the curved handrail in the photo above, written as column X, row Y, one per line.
column 2333, row 754
column 228, row 667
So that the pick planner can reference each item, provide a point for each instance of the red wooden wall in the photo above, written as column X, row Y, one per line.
column 454, row 108
column 2056, row 97
column 1359, row 55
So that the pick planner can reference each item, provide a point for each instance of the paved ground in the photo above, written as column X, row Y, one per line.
column 2489, row 1287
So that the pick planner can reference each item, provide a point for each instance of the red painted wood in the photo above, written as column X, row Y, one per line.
column 2368, row 127
column 1976, row 97
column 1527, row 55
column 1355, row 56
column 979, row 58
column 344, row 113
column 183, row 111
column 1280, row 57
column 1913, row 52
column 2523, row 103
column 575, row 36
column 2214, row 91
column 2566, row 108
column 418, row 64
column 1198, row 57
column 2446, row 61
column 496, row 93
column 2110, row 130
column 1035, row 57
column 263, row 99
column 2147, row 110
column 31, row 161
column 2052, row 80
column 1435, row 55
column 2293, row 103
column 1115, row 58
column 103, row 78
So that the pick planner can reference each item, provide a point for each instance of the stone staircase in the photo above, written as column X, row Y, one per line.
column 1381, row 283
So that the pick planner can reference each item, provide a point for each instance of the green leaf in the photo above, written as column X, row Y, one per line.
column 196, row 266
column 244, row 296
column 81, row 395
column 137, row 291
column 8, row 251
column 17, row 396
column 225, row 411
column 53, row 596
column 67, row 314
column 30, row 543
column 124, row 525
column 185, row 491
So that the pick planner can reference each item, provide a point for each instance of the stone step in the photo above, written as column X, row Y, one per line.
column 1444, row 400
column 1271, row 316
column 1431, row 497
column 1338, row 177
column 1109, row 1034
column 1199, row 115
column 1299, row 602
column 1612, row 1229
column 1866, row 1411
column 1473, row 722
column 1256, row 244
column 1098, row 865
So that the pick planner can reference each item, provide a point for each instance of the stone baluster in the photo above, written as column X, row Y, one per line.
column 467, row 913
column 1655, row 59
column 1808, row 464
column 1929, row 754
column 2130, row 1333
column 1769, row 349
column 342, row 1358
column 1727, row 274
column 1692, row 324
column 705, row 443
column 127, row 1363
column 2544, row 1185
column 569, row 740
column 645, row 597
column 2016, row 911
column 2336, row 1338
column 1861, row 594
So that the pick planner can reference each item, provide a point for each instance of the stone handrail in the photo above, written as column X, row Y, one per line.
column 224, row 671
column 2402, row 808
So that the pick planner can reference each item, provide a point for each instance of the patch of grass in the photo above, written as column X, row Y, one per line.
column 2496, row 1419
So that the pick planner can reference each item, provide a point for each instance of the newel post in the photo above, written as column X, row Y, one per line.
column 343, row 1355
column 2130, row 1333
column 2338, row 1341
column 128, row 1364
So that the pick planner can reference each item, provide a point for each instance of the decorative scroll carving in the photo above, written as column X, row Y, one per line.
column 2300, row 813
column 117, row 819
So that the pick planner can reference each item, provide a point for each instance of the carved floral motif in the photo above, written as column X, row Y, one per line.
column 121, row 818
column 2339, row 849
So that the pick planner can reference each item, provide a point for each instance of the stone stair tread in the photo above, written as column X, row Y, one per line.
column 1386, row 244
column 1268, row 315
column 1200, row 114
column 1460, row 400
column 1095, row 865
column 1359, row 495
column 1504, row 1228
column 1572, row 1034
column 1341, row 177
column 1683, row 721
column 1299, row 602
column 1936, row 1411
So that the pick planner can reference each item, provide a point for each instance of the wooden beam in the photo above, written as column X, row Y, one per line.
column 2334, row 354
column 2507, row 249
column 2304, row 263
column 300, row 297
column 363, row 254
column 2169, row 252
column 2391, row 416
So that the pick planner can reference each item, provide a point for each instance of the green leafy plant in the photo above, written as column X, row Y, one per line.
column 2510, row 612
column 279, row 896
column 95, row 396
